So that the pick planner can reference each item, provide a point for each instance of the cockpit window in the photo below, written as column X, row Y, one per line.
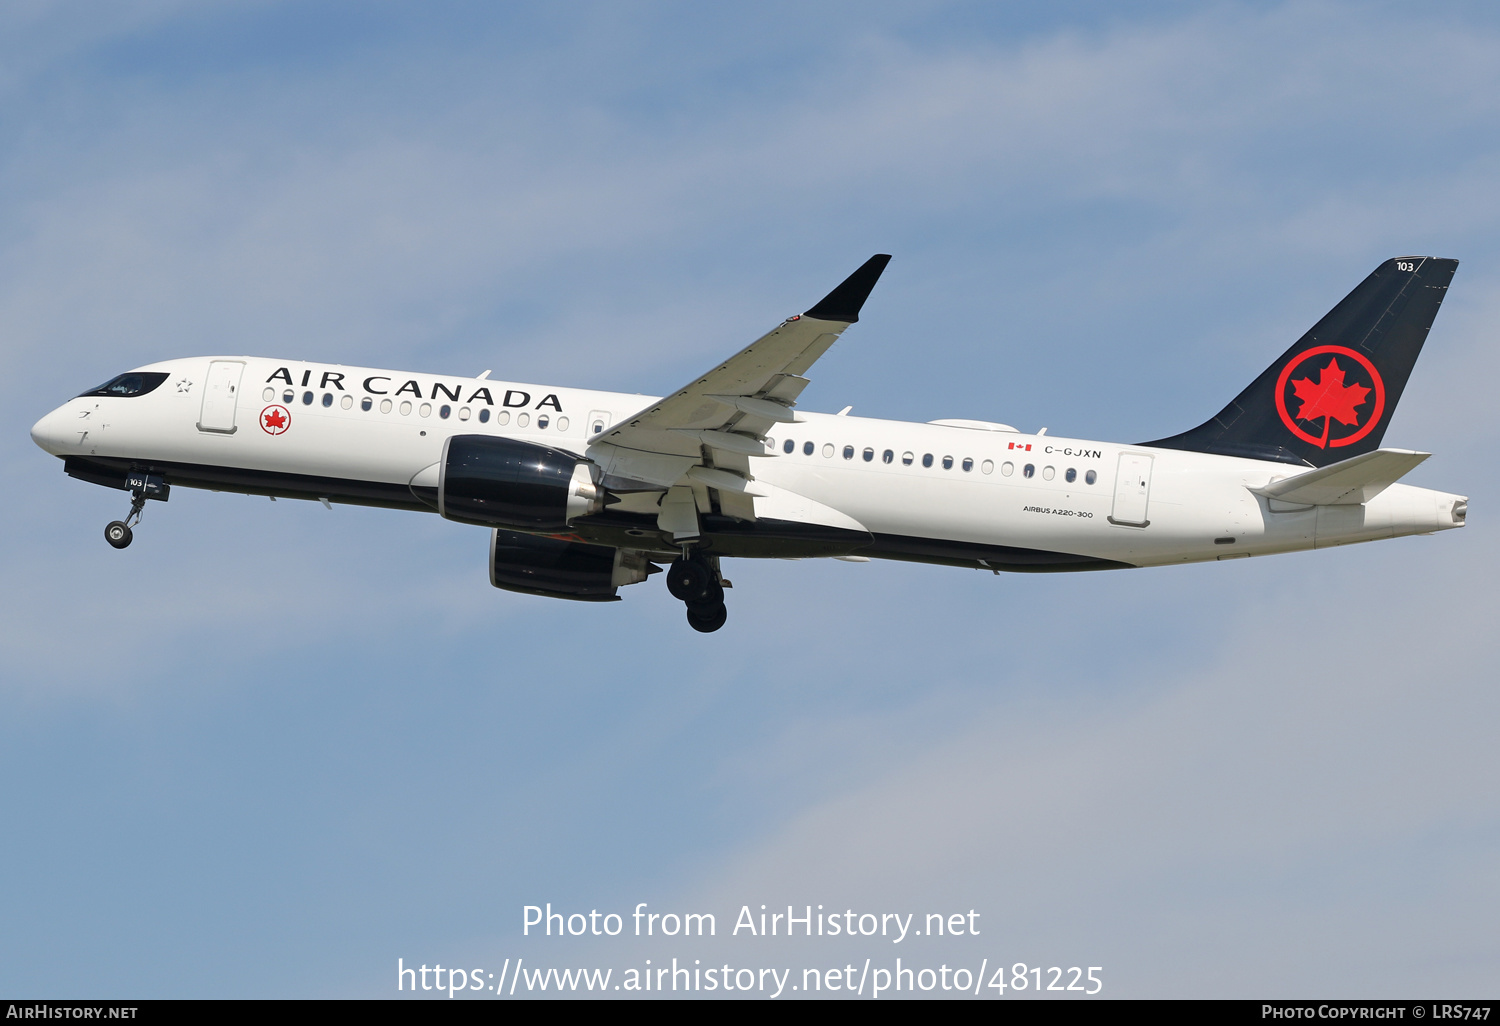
column 134, row 383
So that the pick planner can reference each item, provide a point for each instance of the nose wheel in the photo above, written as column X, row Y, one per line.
column 118, row 534
column 695, row 581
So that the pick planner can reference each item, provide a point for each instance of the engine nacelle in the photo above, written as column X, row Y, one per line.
column 496, row 481
column 558, row 569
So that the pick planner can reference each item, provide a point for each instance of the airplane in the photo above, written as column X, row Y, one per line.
column 584, row 492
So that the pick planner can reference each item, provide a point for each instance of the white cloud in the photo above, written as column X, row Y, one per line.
column 226, row 223
column 1328, row 769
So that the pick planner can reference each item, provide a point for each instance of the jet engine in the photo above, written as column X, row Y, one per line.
column 562, row 569
column 495, row 481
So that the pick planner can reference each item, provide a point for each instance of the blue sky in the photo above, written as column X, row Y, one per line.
column 270, row 749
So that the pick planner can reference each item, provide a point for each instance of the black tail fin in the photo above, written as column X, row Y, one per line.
column 1331, row 395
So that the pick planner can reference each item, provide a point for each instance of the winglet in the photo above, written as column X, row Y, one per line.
column 844, row 302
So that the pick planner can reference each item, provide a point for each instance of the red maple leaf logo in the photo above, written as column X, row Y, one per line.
column 274, row 419
column 1329, row 398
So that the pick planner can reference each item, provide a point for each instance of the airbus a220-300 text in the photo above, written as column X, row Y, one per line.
column 584, row 492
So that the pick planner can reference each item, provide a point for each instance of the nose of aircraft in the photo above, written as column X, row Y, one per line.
column 48, row 432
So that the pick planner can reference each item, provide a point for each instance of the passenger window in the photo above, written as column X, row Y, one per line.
column 365, row 404
column 598, row 427
column 484, row 415
column 947, row 462
column 1047, row 473
column 268, row 395
column 968, row 464
column 347, row 402
column 906, row 459
column 522, row 419
column 503, row 417
column 287, row 397
column 887, row 456
column 927, row 459
column 789, row 447
column 1028, row 470
column 445, row 411
column 307, row 398
column 541, row 422
column 987, row 467
column 807, row 448
column 869, row 455
column 425, row 410
column 327, row 399
column 1007, row 468
column 385, row 406
column 828, row 450
column 848, row 452
column 562, row 423
column 1090, row 477
column 1071, row 475
column 463, row 413
column 405, row 407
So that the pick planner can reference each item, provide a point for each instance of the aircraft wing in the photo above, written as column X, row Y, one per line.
column 721, row 418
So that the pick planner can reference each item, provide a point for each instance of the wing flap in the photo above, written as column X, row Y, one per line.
column 785, row 388
column 727, row 441
column 766, row 409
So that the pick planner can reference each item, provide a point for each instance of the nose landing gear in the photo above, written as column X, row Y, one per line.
column 695, row 580
column 142, row 487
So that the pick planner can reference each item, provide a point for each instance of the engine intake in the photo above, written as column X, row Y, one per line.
column 495, row 481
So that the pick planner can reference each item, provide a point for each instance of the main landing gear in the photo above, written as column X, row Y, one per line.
column 695, row 580
column 142, row 487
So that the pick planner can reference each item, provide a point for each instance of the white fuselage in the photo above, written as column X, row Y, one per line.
column 992, row 486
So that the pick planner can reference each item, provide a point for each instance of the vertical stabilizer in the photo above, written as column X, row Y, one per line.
column 1331, row 396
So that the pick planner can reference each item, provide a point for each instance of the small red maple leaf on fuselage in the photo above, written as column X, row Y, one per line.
column 274, row 419
column 1329, row 398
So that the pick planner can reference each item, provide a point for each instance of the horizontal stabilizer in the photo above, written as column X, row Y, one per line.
column 1350, row 481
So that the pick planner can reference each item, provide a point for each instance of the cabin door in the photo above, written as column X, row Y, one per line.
column 1132, row 489
column 221, row 392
